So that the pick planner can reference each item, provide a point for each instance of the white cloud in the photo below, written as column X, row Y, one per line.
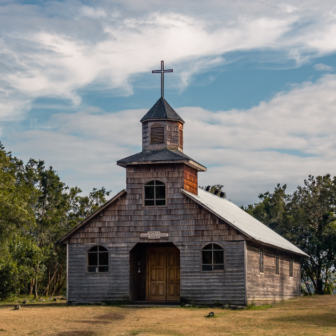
column 57, row 48
column 244, row 149
column 323, row 67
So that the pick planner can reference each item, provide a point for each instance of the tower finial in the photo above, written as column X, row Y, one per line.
column 162, row 71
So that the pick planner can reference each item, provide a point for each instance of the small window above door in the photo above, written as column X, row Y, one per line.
column 155, row 193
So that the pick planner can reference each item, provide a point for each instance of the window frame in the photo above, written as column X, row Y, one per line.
column 144, row 194
column 97, row 266
column 212, row 257
column 261, row 260
column 277, row 262
column 291, row 267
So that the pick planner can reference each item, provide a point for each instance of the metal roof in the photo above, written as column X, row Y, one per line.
column 242, row 221
column 162, row 110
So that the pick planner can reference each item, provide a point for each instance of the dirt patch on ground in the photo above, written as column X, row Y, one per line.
column 112, row 316
column 313, row 316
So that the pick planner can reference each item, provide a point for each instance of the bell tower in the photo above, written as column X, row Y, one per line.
column 161, row 164
column 162, row 128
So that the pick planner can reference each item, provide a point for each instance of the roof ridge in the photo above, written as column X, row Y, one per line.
column 162, row 110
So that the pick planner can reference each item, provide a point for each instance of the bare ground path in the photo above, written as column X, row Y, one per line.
column 303, row 316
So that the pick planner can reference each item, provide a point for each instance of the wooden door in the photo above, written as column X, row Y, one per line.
column 163, row 277
column 173, row 274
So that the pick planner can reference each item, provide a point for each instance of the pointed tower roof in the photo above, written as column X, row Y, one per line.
column 162, row 110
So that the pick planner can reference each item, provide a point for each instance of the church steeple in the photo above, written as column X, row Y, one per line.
column 162, row 141
column 162, row 128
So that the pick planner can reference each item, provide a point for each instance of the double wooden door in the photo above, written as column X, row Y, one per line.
column 163, row 274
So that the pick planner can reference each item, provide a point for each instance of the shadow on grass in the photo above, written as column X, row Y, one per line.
column 104, row 319
column 325, row 320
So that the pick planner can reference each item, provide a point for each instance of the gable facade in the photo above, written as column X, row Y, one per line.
column 157, row 252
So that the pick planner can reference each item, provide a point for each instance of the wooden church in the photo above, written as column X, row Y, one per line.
column 163, row 239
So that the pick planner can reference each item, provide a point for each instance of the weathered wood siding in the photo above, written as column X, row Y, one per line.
column 190, row 227
column 209, row 287
column 267, row 287
column 190, row 180
column 91, row 287
column 172, row 135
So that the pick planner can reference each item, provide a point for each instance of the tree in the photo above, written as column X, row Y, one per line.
column 16, row 211
column 36, row 209
column 215, row 187
column 306, row 218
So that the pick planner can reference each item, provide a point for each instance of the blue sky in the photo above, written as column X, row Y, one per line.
column 254, row 80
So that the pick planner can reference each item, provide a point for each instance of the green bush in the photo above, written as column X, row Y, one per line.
column 9, row 280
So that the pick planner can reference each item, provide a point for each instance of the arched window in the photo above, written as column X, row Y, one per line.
column 157, row 134
column 155, row 193
column 291, row 267
column 98, row 260
column 212, row 258
column 277, row 263
column 261, row 260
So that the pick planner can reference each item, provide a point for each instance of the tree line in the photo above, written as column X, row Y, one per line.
column 307, row 218
column 36, row 209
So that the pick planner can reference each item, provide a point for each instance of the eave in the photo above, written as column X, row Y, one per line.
column 104, row 206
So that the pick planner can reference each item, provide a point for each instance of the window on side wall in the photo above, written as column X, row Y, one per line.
column 277, row 263
column 155, row 193
column 98, row 261
column 261, row 260
column 212, row 258
column 291, row 267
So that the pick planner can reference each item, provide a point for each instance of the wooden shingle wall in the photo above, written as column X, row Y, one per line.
column 267, row 287
column 91, row 287
column 209, row 287
column 171, row 135
column 190, row 180
column 190, row 227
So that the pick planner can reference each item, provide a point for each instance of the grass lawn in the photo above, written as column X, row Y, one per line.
column 303, row 316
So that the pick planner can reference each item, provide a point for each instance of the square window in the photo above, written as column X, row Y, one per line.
column 207, row 268
column 103, row 258
column 149, row 202
column 161, row 202
column 149, row 192
column 207, row 257
column 93, row 260
column 218, row 267
column 103, row 268
column 218, row 257
column 160, row 192
column 92, row 269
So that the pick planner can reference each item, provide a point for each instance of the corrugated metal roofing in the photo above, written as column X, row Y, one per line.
column 162, row 110
column 242, row 221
